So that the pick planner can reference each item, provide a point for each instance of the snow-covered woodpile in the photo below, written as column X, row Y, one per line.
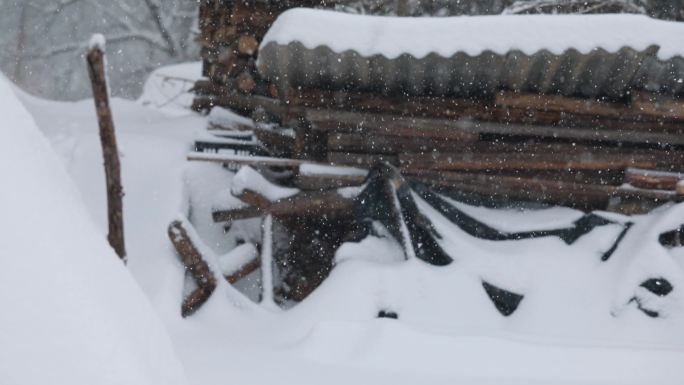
column 587, row 116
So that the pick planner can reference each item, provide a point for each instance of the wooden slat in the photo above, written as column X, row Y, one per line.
column 474, row 161
column 244, row 271
column 585, row 196
column 386, row 144
column 653, row 179
column 386, row 104
column 305, row 203
column 387, row 125
column 203, row 145
column 468, row 130
column 360, row 160
column 245, row 160
column 324, row 182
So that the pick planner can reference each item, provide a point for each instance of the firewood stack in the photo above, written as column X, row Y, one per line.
column 231, row 31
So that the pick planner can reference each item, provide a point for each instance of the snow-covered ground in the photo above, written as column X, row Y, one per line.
column 574, row 326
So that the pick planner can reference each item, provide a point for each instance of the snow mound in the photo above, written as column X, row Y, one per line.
column 419, row 37
column 168, row 88
column 73, row 313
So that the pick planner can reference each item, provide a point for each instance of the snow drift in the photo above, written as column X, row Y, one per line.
column 72, row 312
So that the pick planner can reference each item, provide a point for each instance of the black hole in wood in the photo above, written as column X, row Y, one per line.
column 671, row 239
column 658, row 286
column 506, row 302
column 388, row 314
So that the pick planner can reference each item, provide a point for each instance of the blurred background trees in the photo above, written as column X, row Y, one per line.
column 42, row 42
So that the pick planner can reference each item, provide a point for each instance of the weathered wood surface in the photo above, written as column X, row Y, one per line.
column 325, row 182
column 365, row 123
column 244, row 271
column 653, row 179
column 263, row 161
column 110, row 152
column 249, row 148
column 645, row 111
column 585, row 196
column 385, row 144
column 360, row 159
column 470, row 130
column 303, row 204
column 471, row 161
column 195, row 264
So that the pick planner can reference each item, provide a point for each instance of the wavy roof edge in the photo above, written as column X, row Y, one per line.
column 392, row 37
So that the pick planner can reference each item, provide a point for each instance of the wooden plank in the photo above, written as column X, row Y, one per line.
column 244, row 271
column 263, row 161
column 469, row 130
column 360, row 160
column 325, row 182
column 387, row 104
column 305, row 203
column 194, row 263
column 653, row 179
column 386, row 125
column 385, row 144
column 662, row 106
column 559, row 103
column 478, row 161
column 567, row 133
column 252, row 149
column 512, row 188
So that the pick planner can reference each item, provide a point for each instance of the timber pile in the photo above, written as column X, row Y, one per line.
column 231, row 31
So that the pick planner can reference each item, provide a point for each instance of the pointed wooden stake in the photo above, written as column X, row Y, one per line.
column 96, row 69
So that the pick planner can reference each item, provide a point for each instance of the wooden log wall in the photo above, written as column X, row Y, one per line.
column 557, row 149
column 230, row 33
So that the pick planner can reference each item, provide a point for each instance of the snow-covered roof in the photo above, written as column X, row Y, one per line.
column 473, row 35
column 586, row 55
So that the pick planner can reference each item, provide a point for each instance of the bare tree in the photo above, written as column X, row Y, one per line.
column 142, row 35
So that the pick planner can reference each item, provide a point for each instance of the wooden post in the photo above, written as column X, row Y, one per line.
column 96, row 70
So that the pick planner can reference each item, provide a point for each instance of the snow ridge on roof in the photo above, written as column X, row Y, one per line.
column 473, row 35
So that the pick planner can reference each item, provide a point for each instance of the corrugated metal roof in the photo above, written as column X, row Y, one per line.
column 598, row 73
column 463, row 56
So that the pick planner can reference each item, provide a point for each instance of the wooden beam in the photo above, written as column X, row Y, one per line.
column 479, row 161
column 386, row 144
column 470, row 130
column 263, row 161
column 531, row 189
column 370, row 102
column 359, row 159
column 244, row 271
column 326, row 182
column 653, row 179
column 110, row 152
column 195, row 264
column 366, row 123
column 304, row 203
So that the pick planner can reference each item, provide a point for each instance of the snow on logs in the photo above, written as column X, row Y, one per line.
column 187, row 246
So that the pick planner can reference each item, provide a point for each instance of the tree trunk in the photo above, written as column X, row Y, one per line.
column 110, row 152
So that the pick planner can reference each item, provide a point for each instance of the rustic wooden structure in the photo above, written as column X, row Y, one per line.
column 561, row 148
column 110, row 152
column 362, row 154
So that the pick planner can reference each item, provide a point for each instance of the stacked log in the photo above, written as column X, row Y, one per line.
column 230, row 33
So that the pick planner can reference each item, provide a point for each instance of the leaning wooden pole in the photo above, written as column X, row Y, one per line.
column 98, row 78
